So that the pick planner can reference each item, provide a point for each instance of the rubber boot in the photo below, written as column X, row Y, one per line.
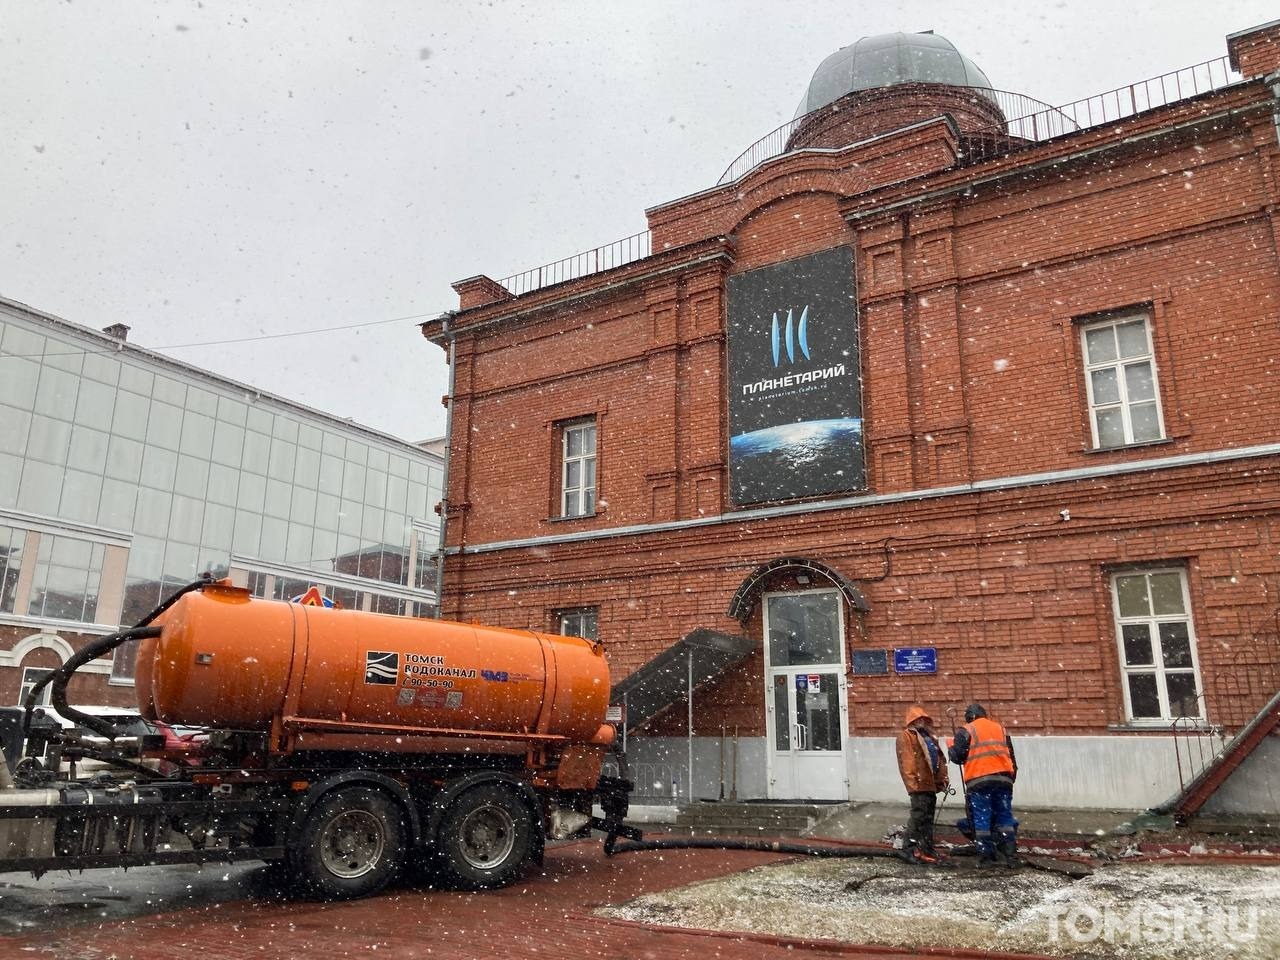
column 986, row 852
column 1007, row 851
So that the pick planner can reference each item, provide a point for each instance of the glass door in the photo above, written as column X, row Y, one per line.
column 806, row 705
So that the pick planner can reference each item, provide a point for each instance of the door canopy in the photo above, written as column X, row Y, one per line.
column 748, row 593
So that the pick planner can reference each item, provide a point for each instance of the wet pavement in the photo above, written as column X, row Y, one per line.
column 677, row 904
column 61, row 899
column 230, row 914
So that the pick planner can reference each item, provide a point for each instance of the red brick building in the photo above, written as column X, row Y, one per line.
column 939, row 395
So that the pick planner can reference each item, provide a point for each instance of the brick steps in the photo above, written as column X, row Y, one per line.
column 749, row 819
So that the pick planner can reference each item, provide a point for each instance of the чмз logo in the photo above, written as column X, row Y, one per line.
column 381, row 667
column 801, row 333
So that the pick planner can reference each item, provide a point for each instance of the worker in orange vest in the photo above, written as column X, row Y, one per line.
column 923, row 768
column 984, row 751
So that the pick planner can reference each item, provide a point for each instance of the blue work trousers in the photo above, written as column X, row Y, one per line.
column 991, row 806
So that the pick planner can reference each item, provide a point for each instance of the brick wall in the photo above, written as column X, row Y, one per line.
column 970, row 294
column 1015, row 599
column 84, row 688
column 858, row 116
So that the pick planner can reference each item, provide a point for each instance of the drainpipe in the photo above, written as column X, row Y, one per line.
column 1273, row 81
column 448, row 444
column 689, row 682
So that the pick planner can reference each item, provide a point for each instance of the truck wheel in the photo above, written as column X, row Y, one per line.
column 352, row 844
column 485, row 837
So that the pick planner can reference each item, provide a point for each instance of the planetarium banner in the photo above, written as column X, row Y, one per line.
column 795, row 397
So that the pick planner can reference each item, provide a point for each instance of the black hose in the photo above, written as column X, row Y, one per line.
column 612, row 848
column 174, row 598
column 764, row 846
column 91, row 651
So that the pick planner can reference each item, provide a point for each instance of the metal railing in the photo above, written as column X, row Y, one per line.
column 655, row 783
column 1031, row 121
column 1044, row 124
column 616, row 254
column 1196, row 746
column 774, row 143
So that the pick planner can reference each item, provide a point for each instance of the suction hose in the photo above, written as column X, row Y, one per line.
column 59, row 678
column 764, row 846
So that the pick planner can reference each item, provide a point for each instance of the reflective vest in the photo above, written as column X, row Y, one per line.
column 988, row 750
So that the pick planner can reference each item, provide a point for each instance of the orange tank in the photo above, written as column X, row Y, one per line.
column 225, row 659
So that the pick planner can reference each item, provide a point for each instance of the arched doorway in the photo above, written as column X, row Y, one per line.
column 804, row 606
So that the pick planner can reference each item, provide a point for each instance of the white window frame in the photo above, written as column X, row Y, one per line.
column 1157, row 666
column 30, row 677
column 572, row 498
column 1119, row 364
column 576, row 617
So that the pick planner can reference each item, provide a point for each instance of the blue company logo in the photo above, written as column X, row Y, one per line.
column 793, row 333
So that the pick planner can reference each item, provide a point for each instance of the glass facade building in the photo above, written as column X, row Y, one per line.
column 125, row 474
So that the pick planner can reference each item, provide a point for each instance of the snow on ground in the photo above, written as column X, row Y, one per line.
column 1134, row 912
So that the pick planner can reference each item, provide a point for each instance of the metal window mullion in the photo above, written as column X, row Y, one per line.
column 566, row 491
column 1126, row 418
column 1118, row 623
column 1190, row 622
column 1157, row 654
column 564, row 472
column 1157, row 663
column 1088, row 386
column 1089, row 369
column 1155, row 386
column 569, row 493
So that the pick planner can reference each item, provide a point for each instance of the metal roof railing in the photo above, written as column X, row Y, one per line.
column 774, row 143
column 616, row 254
column 1118, row 104
column 1034, row 121
column 1031, row 121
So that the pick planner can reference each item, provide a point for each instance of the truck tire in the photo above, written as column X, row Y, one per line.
column 485, row 837
column 352, row 845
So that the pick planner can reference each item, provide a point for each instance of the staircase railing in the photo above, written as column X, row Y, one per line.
column 1195, row 747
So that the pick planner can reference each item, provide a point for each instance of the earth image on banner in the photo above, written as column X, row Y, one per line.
column 797, row 459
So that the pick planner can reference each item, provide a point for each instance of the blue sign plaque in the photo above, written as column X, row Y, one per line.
column 871, row 662
column 915, row 660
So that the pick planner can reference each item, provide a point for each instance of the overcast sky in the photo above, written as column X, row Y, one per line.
column 208, row 171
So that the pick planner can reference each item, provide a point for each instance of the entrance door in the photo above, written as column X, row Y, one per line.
column 806, row 700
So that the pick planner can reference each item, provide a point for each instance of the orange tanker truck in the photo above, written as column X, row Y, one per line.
column 342, row 747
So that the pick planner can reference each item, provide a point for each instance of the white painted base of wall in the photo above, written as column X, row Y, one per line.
column 1116, row 772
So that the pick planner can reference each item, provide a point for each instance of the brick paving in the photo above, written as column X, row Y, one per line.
column 546, row 917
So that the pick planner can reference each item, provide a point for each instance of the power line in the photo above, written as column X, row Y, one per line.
column 299, row 333
column 230, row 340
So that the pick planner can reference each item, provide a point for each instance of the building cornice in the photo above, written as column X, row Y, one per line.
column 1030, row 161
column 998, row 484
column 461, row 323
